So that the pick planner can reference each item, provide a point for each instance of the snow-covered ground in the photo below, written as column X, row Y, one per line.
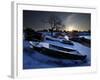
column 33, row 59
column 86, row 36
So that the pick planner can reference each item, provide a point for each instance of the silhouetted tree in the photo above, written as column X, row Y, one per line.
column 55, row 23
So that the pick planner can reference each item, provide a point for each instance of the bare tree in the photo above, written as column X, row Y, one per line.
column 55, row 23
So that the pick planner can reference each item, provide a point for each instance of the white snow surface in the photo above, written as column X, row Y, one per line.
column 33, row 59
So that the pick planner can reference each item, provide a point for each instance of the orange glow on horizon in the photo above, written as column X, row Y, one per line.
column 70, row 28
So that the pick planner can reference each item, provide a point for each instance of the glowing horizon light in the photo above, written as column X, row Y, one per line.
column 70, row 28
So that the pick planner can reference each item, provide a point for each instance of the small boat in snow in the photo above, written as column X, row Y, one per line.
column 57, row 51
column 61, row 40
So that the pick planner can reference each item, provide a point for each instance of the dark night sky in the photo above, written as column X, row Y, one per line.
column 72, row 21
